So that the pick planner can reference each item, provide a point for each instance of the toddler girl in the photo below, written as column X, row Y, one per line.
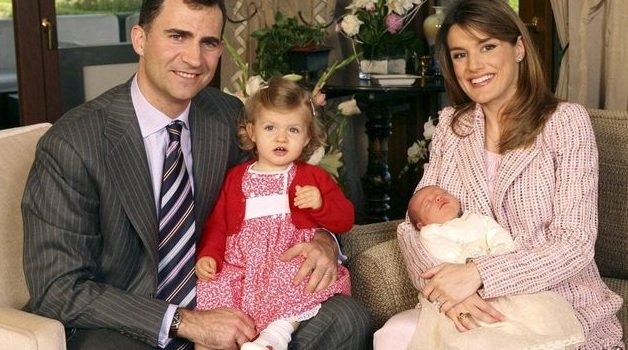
column 265, row 207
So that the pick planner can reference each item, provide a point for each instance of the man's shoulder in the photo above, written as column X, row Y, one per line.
column 88, row 120
column 211, row 98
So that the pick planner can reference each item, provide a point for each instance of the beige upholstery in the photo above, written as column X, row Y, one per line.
column 19, row 329
column 378, row 275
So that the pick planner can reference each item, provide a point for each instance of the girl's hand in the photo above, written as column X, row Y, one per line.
column 450, row 284
column 471, row 310
column 206, row 268
column 308, row 197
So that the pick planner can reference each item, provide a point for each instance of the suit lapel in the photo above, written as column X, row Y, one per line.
column 513, row 163
column 210, row 151
column 128, row 165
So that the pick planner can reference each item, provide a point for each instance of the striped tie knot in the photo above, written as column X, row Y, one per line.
column 174, row 130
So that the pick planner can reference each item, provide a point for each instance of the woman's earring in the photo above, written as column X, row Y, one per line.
column 519, row 59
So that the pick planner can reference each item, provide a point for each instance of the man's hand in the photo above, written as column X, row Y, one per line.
column 308, row 197
column 206, row 268
column 471, row 310
column 451, row 283
column 321, row 262
column 217, row 329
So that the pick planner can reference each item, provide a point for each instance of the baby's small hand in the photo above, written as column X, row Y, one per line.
column 206, row 268
column 308, row 197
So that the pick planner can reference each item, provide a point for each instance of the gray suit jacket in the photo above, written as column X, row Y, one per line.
column 90, row 223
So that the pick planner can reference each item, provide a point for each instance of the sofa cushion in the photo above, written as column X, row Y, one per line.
column 363, row 237
column 26, row 331
column 611, row 249
column 18, row 152
column 379, row 279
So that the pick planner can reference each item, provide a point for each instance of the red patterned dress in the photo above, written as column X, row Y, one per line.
column 253, row 278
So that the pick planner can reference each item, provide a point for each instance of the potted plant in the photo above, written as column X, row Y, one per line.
column 288, row 46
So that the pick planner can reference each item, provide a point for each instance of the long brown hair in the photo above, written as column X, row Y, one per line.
column 284, row 96
column 524, row 117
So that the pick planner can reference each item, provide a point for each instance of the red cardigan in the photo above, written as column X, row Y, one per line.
column 336, row 214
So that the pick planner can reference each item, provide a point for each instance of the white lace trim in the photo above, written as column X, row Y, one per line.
column 304, row 316
column 575, row 339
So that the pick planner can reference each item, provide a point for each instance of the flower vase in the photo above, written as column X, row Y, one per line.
column 383, row 65
column 431, row 25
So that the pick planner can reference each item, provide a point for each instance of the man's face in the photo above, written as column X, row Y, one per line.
column 433, row 205
column 179, row 54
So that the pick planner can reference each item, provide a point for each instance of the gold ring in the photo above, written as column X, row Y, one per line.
column 463, row 316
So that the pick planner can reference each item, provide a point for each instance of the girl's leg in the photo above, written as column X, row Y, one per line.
column 276, row 336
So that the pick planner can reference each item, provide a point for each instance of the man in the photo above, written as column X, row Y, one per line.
column 92, row 204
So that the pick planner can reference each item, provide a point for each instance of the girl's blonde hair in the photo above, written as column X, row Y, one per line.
column 283, row 96
column 525, row 115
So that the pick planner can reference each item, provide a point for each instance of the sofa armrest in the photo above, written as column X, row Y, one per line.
column 23, row 330
column 380, row 281
column 363, row 237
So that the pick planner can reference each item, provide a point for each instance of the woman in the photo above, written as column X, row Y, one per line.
column 511, row 150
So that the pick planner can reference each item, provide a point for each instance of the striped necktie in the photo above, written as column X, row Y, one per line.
column 177, row 282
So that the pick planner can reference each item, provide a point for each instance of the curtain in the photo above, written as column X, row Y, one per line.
column 247, row 16
column 592, row 72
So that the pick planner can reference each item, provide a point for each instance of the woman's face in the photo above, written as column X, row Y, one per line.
column 486, row 68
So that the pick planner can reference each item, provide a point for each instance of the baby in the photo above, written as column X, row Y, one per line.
column 540, row 320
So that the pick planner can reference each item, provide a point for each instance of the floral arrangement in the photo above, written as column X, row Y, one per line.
column 419, row 150
column 379, row 27
column 330, row 156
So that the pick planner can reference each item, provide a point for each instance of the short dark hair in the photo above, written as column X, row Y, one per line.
column 151, row 8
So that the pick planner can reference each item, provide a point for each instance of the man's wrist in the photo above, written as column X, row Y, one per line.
column 175, row 324
column 332, row 241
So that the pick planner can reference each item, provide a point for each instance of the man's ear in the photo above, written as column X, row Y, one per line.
column 138, row 38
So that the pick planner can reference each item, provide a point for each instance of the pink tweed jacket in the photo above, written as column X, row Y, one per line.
column 546, row 197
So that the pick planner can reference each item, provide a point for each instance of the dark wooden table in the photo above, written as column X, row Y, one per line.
column 379, row 104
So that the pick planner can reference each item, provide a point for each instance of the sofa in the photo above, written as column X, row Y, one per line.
column 19, row 329
column 378, row 274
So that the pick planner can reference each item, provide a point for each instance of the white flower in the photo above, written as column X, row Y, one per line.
column 350, row 25
column 357, row 4
column 293, row 77
column 428, row 129
column 417, row 151
column 316, row 157
column 253, row 84
column 349, row 108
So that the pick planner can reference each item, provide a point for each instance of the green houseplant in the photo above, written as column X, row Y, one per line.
column 278, row 46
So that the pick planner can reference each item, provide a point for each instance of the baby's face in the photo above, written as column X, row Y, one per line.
column 433, row 205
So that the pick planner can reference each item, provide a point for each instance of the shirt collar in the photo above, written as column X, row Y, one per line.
column 151, row 119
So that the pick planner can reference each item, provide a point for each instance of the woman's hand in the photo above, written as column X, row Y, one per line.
column 450, row 284
column 466, row 314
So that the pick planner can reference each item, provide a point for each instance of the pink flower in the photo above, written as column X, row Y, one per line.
column 371, row 7
column 394, row 23
column 320, row 99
